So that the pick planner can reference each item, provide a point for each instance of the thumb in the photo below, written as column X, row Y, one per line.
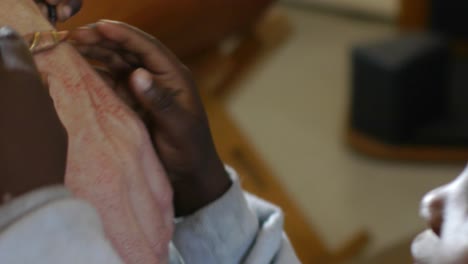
column 155, row 98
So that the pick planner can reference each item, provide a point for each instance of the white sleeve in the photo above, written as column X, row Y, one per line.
column 48, row 226
column 237, row 228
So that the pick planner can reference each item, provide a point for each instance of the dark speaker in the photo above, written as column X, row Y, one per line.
column 399, row 86
column 449, row 17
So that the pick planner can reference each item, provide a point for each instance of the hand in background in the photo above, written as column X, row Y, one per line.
column 65, row 8
column 158, row 87
column 33, row 142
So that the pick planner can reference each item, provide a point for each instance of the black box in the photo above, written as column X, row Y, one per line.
column 399, row 86
column 449, row 17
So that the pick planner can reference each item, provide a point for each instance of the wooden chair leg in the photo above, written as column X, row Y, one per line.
column 351, row 249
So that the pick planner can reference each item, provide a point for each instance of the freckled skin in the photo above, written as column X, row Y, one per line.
column 107, row 146
column 111, row 162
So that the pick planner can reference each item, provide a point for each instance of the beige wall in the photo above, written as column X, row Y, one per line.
column 387, row 8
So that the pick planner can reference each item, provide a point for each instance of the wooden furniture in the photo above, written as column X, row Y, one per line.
column 185, row 26
column 377, row 149
column 257, row 178
column 413, row 15
column 217, row 72
column 188, row 28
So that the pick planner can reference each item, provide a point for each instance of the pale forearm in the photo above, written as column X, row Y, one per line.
column 111, row 163
column 22, row 15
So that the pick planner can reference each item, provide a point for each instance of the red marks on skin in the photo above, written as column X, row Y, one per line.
column 111, row 162
column 81, row 82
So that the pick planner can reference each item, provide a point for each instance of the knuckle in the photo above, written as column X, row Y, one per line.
column 114, row 59
column 187, row 76
column 161, row 99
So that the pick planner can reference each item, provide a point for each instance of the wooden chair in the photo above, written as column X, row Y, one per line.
column 217, row 72
column 187, row 28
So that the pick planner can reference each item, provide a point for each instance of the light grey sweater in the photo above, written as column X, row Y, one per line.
column 50, row 226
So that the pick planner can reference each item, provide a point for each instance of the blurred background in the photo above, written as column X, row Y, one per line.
column 343, row 112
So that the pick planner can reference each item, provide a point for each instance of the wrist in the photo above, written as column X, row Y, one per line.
column 24, row 16
column 201, row 189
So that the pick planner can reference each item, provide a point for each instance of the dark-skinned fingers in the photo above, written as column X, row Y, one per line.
column 86, row 35
column 168, row 86
column 106, row 76
column 129, row 98
column 159, row 101
column 14, row 53
column 127, row 57
column 89, row 35
column 168, row 118
column 155, row 56
column 51, row 2
column 110, row 59
column 131, row 59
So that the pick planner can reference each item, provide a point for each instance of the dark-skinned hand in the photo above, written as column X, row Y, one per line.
column 154, row 83
column 33, row 141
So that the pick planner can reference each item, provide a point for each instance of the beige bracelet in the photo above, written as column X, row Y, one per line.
column 45, row 40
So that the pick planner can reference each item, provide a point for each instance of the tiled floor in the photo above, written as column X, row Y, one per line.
column 293, row 107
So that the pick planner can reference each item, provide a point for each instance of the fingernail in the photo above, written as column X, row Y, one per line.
column 87, row 27
column 143, row 80
column 8, row 33
column 109, row 21
column 63, row 35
